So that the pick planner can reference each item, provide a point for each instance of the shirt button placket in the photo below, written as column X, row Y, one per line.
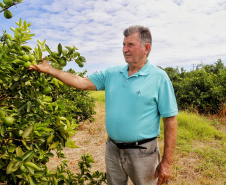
column 126, row 83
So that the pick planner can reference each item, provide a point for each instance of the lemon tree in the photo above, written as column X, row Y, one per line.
column 38, row 113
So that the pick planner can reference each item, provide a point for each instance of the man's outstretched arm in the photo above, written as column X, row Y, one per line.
column 164, row 169
column 67, row 78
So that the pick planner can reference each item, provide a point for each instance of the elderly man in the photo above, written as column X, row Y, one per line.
column 137, row 95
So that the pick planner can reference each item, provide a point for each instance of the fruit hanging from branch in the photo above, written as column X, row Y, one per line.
column 6, row 4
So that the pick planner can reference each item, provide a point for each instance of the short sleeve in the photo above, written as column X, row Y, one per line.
column 167, row 103
column 98, row 79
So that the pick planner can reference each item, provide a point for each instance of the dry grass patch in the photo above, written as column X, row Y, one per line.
column 90, row 138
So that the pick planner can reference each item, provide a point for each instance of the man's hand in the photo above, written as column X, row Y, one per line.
column 44, row 67
column 163, row 172
column 67, row 78
column 164, row 169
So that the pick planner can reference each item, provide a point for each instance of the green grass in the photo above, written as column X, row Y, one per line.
column 197, row 137
column 99, row 96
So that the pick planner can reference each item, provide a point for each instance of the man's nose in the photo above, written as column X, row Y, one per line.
column 125, row 49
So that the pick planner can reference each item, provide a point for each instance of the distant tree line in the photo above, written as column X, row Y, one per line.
column 202, row 89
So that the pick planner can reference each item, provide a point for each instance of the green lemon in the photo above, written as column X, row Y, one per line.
column 22, row 168
column 25, row 57
column 33, row 62
column 8, row 121
column 8, row 14
column 21, row 52
column 8, row 2
column 80, row 64
column 54, row 54
column 62, row 62
column 27, row 64
column 31, row 57
column 47, row 90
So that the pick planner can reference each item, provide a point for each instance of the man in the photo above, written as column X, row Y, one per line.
column 136, row 96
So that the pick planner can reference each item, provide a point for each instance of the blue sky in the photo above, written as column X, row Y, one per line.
column 185, row 32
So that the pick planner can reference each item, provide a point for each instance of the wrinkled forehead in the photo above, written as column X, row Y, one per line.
column 134, row 37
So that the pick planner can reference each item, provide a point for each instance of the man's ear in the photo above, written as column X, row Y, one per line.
column 147, row 47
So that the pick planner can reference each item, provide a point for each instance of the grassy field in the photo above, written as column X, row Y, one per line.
column 200, row 156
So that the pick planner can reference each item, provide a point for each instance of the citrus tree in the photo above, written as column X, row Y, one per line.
column 34, row 120
column 202, row 89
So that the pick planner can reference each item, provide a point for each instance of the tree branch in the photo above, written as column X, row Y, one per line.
column 14, row 3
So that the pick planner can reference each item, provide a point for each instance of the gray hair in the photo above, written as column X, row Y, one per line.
column 144, row 33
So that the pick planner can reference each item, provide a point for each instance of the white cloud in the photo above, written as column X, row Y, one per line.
column 184, row 32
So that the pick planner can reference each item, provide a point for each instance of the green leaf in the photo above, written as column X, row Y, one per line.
column 27, row 155
column 27, row 131
column 54, row 145
column 32, row 165
column 49, row 155
column 22, row 107
column 20, row 22
column 31, row 170
column 32, row 181
column 39, row 173
column 39, row 41
column 59, row 49
column 54, row 181
column 44, row 42
column 15, row 85
column 28, row 106
column 18, row 159
column 25, row 25
column 15, row 166
column 48, row 49
column 50, row 139
column 1, row 164
column 9, row 167
column 2, row 129
column 19, row 151
column 39, row 52
column 12, row 148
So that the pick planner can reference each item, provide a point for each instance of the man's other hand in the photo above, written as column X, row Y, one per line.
column 163, row 172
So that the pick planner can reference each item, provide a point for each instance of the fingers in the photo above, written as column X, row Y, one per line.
column 33, row 67
column 161, row 181
column 156, row 173
column 162, row 174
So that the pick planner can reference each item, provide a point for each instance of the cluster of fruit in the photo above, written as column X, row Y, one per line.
column 28, row 60
column 12, row 51
column 8, row 3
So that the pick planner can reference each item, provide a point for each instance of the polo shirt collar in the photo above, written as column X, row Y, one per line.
column 143, row 71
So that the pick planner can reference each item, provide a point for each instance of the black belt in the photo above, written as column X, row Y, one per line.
column 131, row 145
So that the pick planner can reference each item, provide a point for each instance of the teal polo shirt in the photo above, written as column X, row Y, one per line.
column 135, row 104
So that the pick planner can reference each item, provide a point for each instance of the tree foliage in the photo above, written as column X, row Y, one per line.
column 203, row 89
column 38, row 113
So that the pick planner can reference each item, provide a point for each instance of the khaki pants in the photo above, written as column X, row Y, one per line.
column 137, row 164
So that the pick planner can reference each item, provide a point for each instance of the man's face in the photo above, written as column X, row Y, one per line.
column 133, row 50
